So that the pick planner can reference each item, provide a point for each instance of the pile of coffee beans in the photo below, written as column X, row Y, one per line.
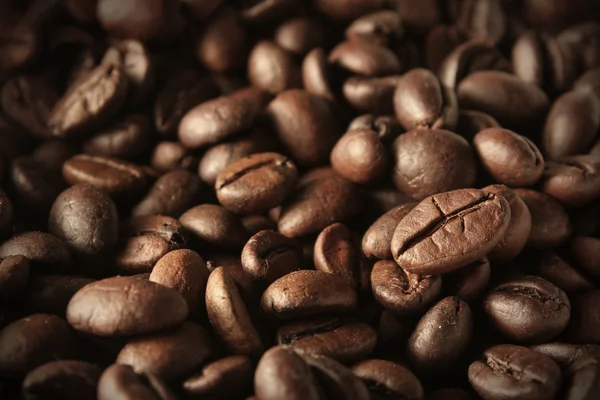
column 300, row 199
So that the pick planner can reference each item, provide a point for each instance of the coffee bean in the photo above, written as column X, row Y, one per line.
column 336, row 253
column 126, row 140
column 281, row 373
column 496, row 377
column 119, row 179
column 50, row 293
column 556, row 270
column 386, row 126
column 344, row 341
column 45, row 252
column 157, row 225
column 382, row 27
column 386, row 379
column 318, row 76
column 301, row 34
column 574, row 180
column 216, row 120
column 34, row 340
column 432, row 161
column 519, row 227
column 86, row 219
column 441, row 336
column 91, row 100
column 170, row 156
column 512, row 102
column 309, row 143
column 121, row 381
column 272, row 69
column 550, row 225
column 268, row 256
column 257, row 223
column 182, row 90
column 439, row 42
column 256, row 183
column 64, row 379
column 470, row 282
column 35, row 185
column 14, row 274
column 306, row 293
column 421, row 102
column 509, row 158
column 371, row 94
column 228, row 377
column 171, row 195
column 229, row 316
column 168, row 355
column 125, row 306
column 471, row 122
column 588, row 82
column 335, row 379
column 215, row 226
column 360, row 156
column 429, row 224
column 402, row 292
column 140, row 70
column 363, row 58
column 28, row 101
column 224, row 44
column 377, row 239
column 528, row 310
column 318, row 204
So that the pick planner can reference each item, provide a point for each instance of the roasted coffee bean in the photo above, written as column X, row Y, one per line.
column 35, row 185
column 228, row 377
column 215, row 226
column 381, row 27
column 257, row 223
column 371, row 94
column 496, row 377
column 550, row 225
column 272, row 69
column 462, row 226
column 224, row 44
column 344, row 341
column 119, row 179
column 482, row 21
column 158, row 225
column 171, row 195
column 319, row 78
column 269, row 255
column 126, row 140
column 508, row 157
column 336, row 253
column 574, row 181
column 65, row 379
column 439, row 42
column 34, row 340
column 470, row 282
column 402, row 292
column 125, row 306
column 588, row 82
column 386, row 380
column 50, row 293
column 528, row 310
column 86, row 219
column 472, row 122
column 183, row 90
column 307, row 293
column 185, row 271
column 577, row 112
column 309, row 143
column 216, row 120
column 519, row 227
column 318, row 204
column 120, row 381
column 129, row 23
column 46, row 253
column 335, row 379
column 432, row 161
column 20, row 44
column 170, row 156
column 168, row 355
column 301, row 34
column 282, row 374
column 92, row 100
column 28, row 101
column 362, row 58
column 505, row 97
column 467, row 59
column 256, row 183
column 139, row 69
column 421, row 102
column 386, row 126
column 229, row 316
column 584, row 326
column 14, row 274
column 584, row 251
column 360, row 156
column 376, row 240
column 556, row 270
column 441, row 336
